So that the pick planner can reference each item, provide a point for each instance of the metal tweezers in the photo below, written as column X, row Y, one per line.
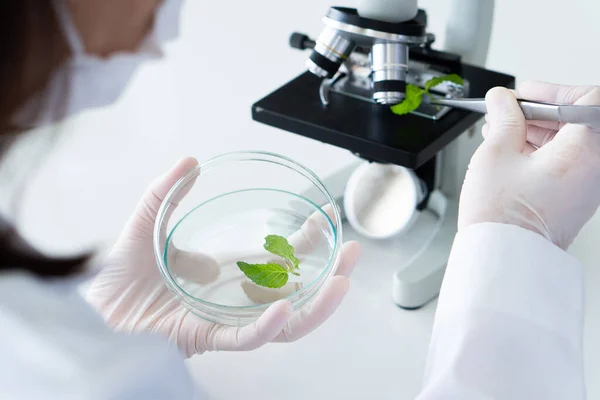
column 565, row 113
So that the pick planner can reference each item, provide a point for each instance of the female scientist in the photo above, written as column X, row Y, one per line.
column 509, row 322
column 57, row 58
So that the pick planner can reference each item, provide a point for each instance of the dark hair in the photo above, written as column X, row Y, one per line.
column 31, row 48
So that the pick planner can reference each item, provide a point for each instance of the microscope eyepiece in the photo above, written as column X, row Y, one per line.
column 330, row 51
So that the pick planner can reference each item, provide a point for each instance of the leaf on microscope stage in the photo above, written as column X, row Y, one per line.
column 414, row 94
column 441, row 79
column 412, row 100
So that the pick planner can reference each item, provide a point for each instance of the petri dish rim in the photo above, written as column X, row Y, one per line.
column 237, row 156
column 258, row 306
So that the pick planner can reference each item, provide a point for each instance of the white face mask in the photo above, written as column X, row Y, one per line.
column 87, row 81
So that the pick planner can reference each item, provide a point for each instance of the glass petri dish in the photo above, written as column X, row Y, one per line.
column 221, row 212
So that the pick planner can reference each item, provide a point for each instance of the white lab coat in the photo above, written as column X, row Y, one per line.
column 508, row 326
column 509, row 322
column 54, row 346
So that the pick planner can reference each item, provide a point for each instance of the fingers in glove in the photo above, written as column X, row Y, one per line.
column 144, row 217
column 310, row 234
column 163, row 184
column 507, row 128
column 530, row 147
column 263, row 295
column 552, row 93
column 539, row 136
column 351, row 252
column 327, row 301
column 311, row 317
column 574, row 146
column 261, row 332
column 192, row 266
column 160, row 187
column 536, row 136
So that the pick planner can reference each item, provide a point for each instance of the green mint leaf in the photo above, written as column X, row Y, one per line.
column 273, row 275
column 441, row 79
column 412, row 100
column 280, row 247
column 270, row 275
column 414, row 94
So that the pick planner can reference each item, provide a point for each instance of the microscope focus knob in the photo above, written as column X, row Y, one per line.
column 301, row 41
column 393, row 11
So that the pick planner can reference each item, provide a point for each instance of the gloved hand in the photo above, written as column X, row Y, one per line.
column 132, row 296
column 541, row 176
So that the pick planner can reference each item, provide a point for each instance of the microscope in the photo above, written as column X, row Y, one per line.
column 357, row 68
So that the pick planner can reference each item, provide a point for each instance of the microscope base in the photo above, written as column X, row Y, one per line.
column 416, row 261
column 419, row 282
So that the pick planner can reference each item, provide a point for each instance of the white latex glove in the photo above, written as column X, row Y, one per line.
column 551, row 187
column 132, row 296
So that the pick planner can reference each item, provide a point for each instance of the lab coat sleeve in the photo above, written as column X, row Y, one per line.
column 55, row 346
column 509, row 322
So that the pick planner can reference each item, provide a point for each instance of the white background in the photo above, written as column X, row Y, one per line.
column 197, row 102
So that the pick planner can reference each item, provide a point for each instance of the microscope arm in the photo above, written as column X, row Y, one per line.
column 468, row 34
column 469, row 30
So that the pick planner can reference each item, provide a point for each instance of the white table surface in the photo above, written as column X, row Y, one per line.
column 370, row 349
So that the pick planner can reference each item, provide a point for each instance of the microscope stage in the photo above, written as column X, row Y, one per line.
column 368, row 129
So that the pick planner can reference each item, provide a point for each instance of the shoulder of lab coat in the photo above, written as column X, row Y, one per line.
column 509, row 322
column 55, row 346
